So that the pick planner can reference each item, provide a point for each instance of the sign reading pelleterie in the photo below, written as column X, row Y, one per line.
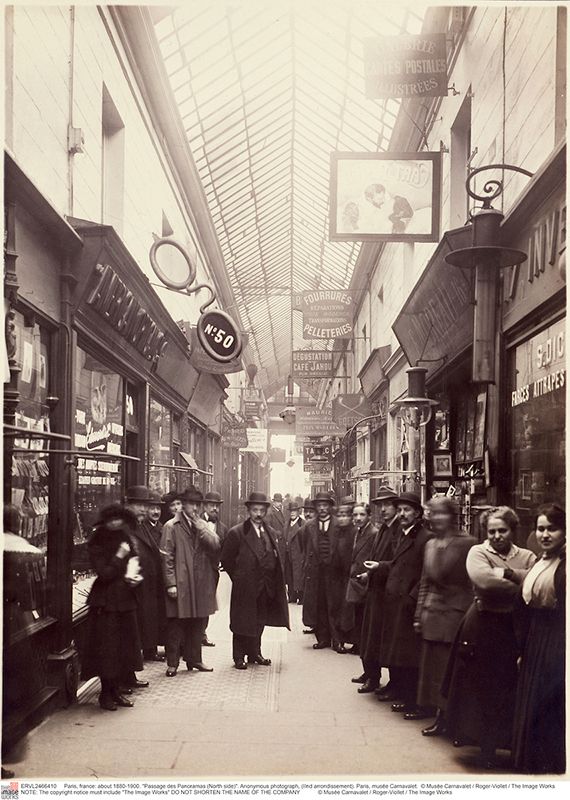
column 327, row 314
column 313, row 364
column 406, row 66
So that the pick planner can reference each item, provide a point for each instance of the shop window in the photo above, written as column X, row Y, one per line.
column 99, row 428
column 537, row 415
column 159, row 447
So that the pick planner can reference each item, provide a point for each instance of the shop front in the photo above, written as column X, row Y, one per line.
column 534, row 326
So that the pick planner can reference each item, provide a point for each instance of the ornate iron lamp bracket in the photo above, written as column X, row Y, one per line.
column 492, row 188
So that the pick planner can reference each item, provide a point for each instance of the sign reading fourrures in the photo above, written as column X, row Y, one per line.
column 327, row 314
column 406, row 66
column 312, row 364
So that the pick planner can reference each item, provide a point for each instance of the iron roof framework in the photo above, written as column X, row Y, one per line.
column 266, row 91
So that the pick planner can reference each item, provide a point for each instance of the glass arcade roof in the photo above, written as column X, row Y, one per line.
column 266, row 91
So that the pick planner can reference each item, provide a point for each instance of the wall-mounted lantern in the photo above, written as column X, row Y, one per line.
column 486, row 257
column 416, row 409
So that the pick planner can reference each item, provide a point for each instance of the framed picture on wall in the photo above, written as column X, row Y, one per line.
column 442, row 465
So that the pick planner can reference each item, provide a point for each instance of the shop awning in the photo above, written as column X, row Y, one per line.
column 436, row 322
column 192, row 463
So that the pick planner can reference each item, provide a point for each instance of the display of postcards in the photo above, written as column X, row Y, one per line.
column 470, row 432
column 480, row 421
column 460, row 430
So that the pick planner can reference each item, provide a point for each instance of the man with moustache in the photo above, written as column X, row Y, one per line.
column 190, row 557
column 211, row 515
column 400, row 645
column 322, row 597
column 382, row 551
column 251, row 558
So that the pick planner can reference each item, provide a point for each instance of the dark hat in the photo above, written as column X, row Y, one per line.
column 115, row 511
column 213, row 497
column 308, row 503
column 294, row 505
column 277, row 498
column 411, row 499
column 323, row 497
column 154, row 498
column 385, row 493
column 192, row 495
column 347, row 500
column 257, row 498
column 138, row 494
column 170, row 497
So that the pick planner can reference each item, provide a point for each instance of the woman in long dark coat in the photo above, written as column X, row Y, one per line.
column 539, row 727
column 481, row 676
column 113, row 645
column 445, row 595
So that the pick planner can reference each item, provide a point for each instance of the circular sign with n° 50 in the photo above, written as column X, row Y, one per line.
column 219, row 336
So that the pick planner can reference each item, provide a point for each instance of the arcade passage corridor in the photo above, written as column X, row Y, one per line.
column 299, row 717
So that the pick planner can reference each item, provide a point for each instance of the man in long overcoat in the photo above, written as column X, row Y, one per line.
column 322, row 597
column 211, row 514
column 361, row 548
column 400, row 645
column 381, row 553
column 275, row 518
column 293, row 553
column 151, row 610
column 251, row 558
column 190, row 556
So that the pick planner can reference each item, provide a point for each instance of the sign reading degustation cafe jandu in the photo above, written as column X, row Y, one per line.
column 312, row 364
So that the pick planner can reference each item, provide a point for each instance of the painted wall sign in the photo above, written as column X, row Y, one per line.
column 316, row 422
column 327, row 314
column 393, row 197
column 313, row 364
column 219, row 336
column 528, row 285
column 112, row 299
column 540, row 365
column 405, row 66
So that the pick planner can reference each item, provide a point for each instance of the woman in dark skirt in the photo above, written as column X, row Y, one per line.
column 113, row 646
column 444, row 597
column 481, row 676
column 539, row 728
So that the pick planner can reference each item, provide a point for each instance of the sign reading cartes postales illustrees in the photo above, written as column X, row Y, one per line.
column 405, row 66
column 327, row 314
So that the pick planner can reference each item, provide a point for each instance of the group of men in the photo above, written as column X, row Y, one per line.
column 358, row 581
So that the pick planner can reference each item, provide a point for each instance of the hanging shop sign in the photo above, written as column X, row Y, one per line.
column 316, row 422
column 320, row 451
column 200, row 359
column 234, row 434
column 327, row 314
column 111, row 298
column 348, row 409
column 405, row 66
column 313, row 364
column 216, row 330
column 392, row 197
column 277, row 455
column 257, row 439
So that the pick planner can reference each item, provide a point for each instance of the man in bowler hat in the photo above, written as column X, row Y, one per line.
column 322, row 597
column 251, row 558
column 400, row 645
column 211, row 515
column 376, row 572
column 190, row 556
